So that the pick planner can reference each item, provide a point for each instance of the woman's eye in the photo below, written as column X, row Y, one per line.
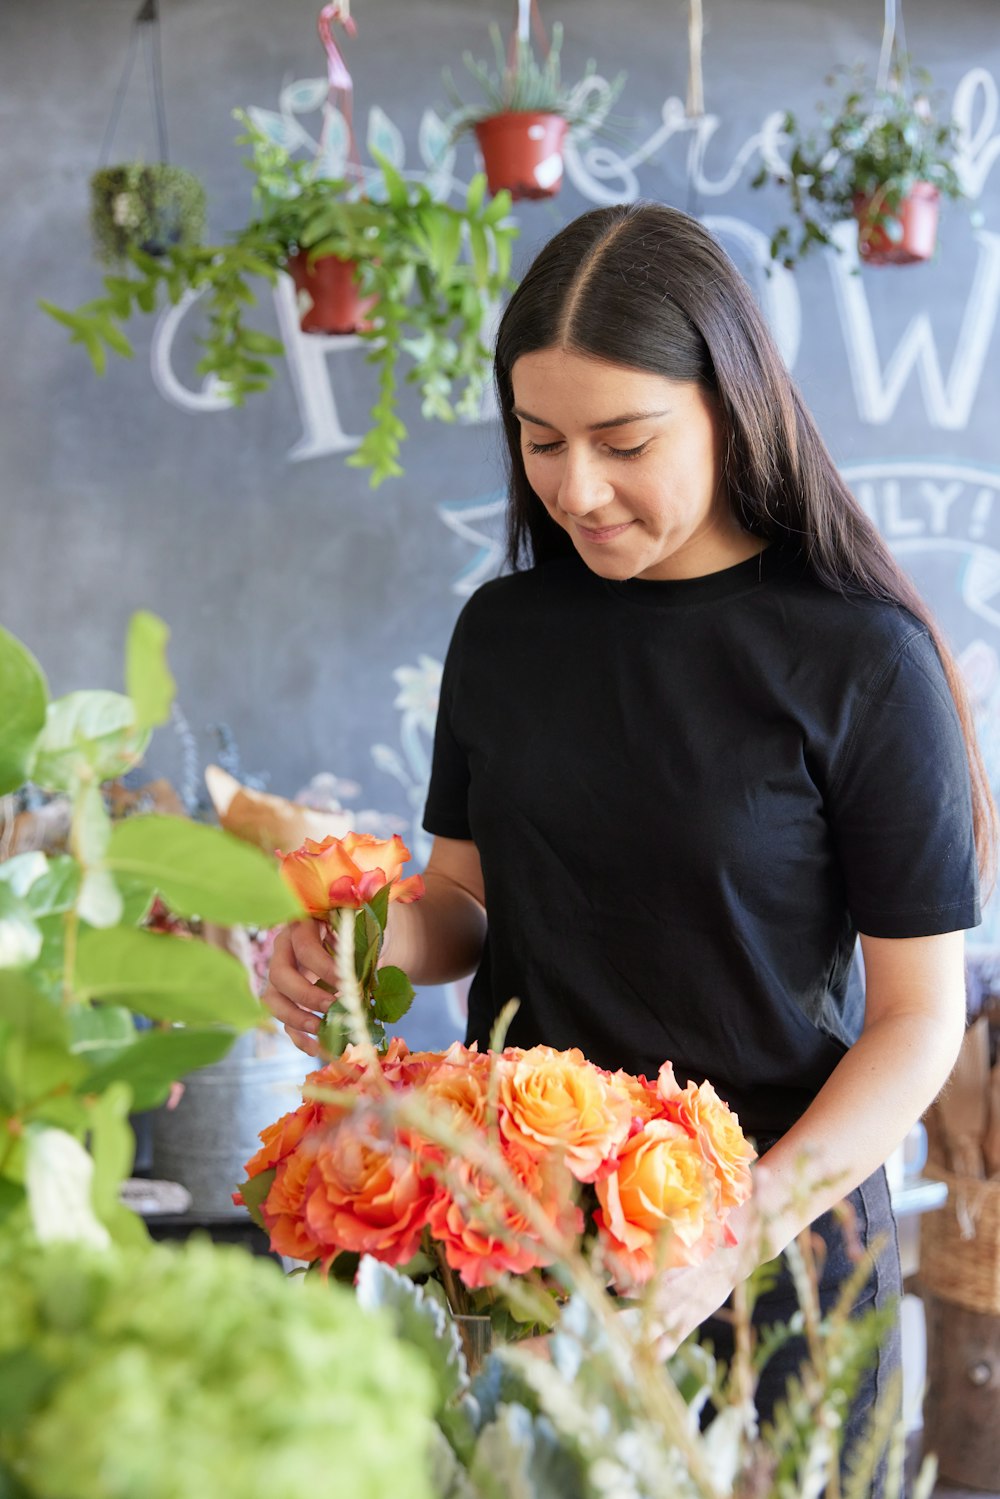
column 542, row 447
column 628, row 452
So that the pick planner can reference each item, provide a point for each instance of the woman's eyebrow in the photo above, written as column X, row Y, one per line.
column 614, row 421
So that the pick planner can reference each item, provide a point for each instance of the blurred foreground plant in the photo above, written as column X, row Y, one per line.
column 605, row 1415
column 75, row 967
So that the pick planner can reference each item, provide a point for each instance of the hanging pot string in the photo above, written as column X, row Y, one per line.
column 529, row 18
column 696, row 88
column 146, row 26
column 890, row 52
column 340, row 85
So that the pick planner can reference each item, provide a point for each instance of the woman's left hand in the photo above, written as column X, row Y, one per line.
column 683, row 1298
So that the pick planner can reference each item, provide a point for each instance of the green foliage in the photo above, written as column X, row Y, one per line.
column 73, row 967
column 523, row 84
column 430, row 302
column 201, row 871
column 145, row 207
column 174, row 1372
column 604, row 1415
column 872, row 146
column 147, row 676
column 23, row 696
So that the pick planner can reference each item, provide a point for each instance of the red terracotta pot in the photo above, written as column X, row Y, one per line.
column 918, row 217
column 523, row 153
column 331, row 283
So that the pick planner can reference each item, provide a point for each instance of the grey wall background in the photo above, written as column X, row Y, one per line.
column 308, row 612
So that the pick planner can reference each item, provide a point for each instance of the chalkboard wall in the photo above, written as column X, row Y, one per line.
column 309, row 614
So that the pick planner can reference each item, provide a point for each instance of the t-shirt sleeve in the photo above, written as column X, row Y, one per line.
column 900, row 803
column 446, row 813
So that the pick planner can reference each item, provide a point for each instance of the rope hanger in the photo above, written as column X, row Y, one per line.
column 893, row 19
column 145, row 27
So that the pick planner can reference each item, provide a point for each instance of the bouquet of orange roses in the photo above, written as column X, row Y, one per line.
column 484, row 1165
column 478, row 1168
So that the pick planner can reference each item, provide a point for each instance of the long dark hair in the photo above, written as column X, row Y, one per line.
column 646, row 286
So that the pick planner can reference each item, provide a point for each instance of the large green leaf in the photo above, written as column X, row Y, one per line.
column 24, row 1011
column 99, row 1033
column 56, row 889
column 112, row 1145
column 87, row 736
column 23, row 696
column 166, row 978
column 157, row 1059
column 23, row 870
column 419, row 1320
column 148, row 681
column 202, row 871
column 100, row 902
column 91, row 824
column 35, row 1058
column 20, row 939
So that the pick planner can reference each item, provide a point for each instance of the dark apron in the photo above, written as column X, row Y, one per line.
column 871, row 1205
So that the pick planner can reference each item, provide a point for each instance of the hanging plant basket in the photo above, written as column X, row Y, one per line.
column 154, row 208
column 522, row 152
column 329, row 294
column 903, row 237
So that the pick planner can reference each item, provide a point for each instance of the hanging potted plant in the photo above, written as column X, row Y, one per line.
column 527, row 113
column 883, row 155
column 404, row 281
column 146, row 207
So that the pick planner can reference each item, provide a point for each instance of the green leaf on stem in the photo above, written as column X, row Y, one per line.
column 393, row 994
column 202, row 871
column 147, row 676
column 334, row 1032
column 88, row 736
column 112, row 1146
column 254, row 1193
column 166, row 978
column 99, row 1033
column 23, row 697
column 155, row 1060
column 20, row 938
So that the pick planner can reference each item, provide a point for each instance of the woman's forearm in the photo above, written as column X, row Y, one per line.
column 438, row 938
column 914, row 1020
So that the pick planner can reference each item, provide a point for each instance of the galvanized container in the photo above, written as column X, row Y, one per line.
column 207, row 1139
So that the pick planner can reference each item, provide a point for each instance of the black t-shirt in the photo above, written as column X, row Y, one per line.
column 688, row 798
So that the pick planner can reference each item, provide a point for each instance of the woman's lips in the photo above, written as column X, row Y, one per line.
column 600, row 534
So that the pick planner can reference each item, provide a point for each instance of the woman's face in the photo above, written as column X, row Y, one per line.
column 628, row 464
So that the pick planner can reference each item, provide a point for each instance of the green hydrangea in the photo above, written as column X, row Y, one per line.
column 175, row 1373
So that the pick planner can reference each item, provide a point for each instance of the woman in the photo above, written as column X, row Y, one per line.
column 699, row 740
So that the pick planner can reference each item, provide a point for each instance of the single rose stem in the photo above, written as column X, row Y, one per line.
column 453, row 1289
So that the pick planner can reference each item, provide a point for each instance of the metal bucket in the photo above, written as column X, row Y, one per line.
column 207, row 1139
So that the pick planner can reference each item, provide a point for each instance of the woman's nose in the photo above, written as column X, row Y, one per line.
column 582, row 487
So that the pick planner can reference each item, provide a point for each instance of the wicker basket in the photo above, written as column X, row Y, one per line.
column 960, row 1243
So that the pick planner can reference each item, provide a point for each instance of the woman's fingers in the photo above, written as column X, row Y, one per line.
column 303, row 1041
column 290, row 995
column 310, row 954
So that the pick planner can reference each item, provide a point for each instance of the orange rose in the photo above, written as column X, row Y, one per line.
column 645, row 1100
column 367, row 1194
column 403, row 1068
column 282, row 1137
column 555, row 1100
column 484, row 1235
column 348, row 871
column 725, row 1147
column 283, row 1208
column 657, row 1206
column 458, row 1088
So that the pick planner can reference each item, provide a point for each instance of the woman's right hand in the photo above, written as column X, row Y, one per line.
column 293, row 994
